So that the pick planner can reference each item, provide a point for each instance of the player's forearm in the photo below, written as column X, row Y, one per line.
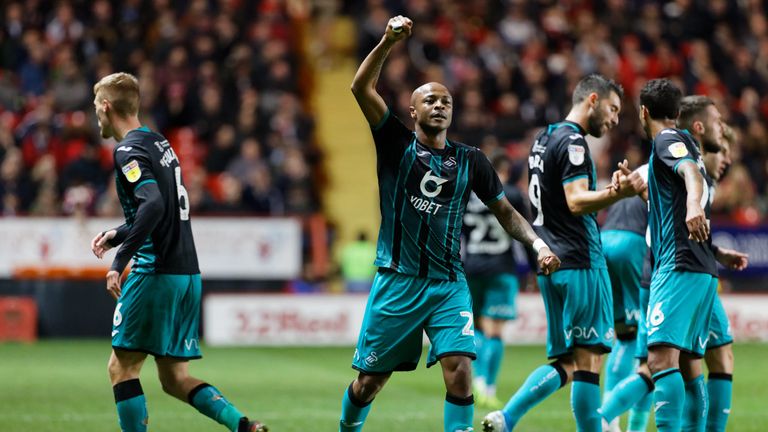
column 121, row 233
column 694, row 183
column 368, row 73
column 514, row 223
column 150, row 206
column 586, row 202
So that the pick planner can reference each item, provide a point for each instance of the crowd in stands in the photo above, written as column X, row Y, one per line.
column 512, row 64
column 220, row 79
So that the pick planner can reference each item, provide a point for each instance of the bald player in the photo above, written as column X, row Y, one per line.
column 425, row 181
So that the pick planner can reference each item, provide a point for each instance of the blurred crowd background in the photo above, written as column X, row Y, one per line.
column 222, row 80
column 226, row 81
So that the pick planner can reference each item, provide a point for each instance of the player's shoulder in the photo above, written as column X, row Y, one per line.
column 679, row 143
column 139, row 140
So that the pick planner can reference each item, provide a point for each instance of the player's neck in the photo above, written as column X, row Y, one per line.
column 433, row 140
column 580, row 116
column 657, row 126
column 121, row 126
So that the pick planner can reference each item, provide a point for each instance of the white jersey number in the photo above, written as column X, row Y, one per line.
column 486, row 226
column 534, row 194
column 181, row 191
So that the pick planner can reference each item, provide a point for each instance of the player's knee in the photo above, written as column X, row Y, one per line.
column 458, row 375
column 720, row 360
column 662, row 358
column 368, row 386
column 169, row 382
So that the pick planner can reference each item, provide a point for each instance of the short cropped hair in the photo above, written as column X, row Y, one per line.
column 693, row 108
column 596, row 83
column 661, row 97
column 122, row 91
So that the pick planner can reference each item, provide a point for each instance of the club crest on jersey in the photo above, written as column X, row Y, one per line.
column 132, row 171
column 576, row 154
column 678, row 149
column 428, row 177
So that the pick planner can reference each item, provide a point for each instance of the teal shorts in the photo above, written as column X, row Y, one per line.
column 400, row 309
column 641, row 351
column 680, row 310
column 159, row 314
column 624, row 252
column 579, row 310
column 494, row 296
column 719, row 327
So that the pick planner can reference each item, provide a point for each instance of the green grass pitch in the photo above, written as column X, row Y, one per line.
column 63, row 386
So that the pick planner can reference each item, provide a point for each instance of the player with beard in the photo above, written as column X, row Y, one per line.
column 700, row 116
column 577, row 298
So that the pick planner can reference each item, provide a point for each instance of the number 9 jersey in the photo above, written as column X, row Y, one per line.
column 560, row 155
column 145, row 157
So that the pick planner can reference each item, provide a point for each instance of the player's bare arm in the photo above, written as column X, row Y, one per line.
column 731, row 259
column 364, row 84
column 695, row 219
column 516, row 226
column 581, row 200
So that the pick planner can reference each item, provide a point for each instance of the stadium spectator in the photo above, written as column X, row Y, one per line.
column 214, row 76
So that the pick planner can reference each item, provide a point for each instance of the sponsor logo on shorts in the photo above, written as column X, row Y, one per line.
column 581, row 332
column 703, row 343
column 191, row 343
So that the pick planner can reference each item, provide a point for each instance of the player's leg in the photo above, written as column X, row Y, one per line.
column 176, row 381
column 696, row 398
column 493, row 351
column 679, row 316
column 588, row 314
column 124, row 368
column 640, row 412
column 450, row 329
column 548, row 378
column 720, row 363
column 477, row 288
column 635, row 391
column 719, row 359
column 458, row 409
column 499, row 308
column 382, row 349
column 669, row 392
column 357, row 400
column 131, row 339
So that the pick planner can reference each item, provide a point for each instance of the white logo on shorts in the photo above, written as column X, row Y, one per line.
column 190, row 343
column 371, row 359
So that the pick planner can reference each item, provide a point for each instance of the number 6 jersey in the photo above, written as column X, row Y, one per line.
column 560, row 155
column 144, row 160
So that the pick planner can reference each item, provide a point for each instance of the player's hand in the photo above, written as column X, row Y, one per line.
column 630, row 182
column 696, row 221
column 732, row 259
column 113, row 284
column 99, row 244
column 399, row 22
column 548, row 261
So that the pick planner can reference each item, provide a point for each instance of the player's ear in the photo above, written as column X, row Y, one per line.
column 594, row 98
column 412, row 111
column 698, row 127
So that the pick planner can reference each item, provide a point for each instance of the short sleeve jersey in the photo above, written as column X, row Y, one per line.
column 667, row 195
column 630, row 214
column 560, row 155
column 488, row 248
column 423, row 194
column 144, row 157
